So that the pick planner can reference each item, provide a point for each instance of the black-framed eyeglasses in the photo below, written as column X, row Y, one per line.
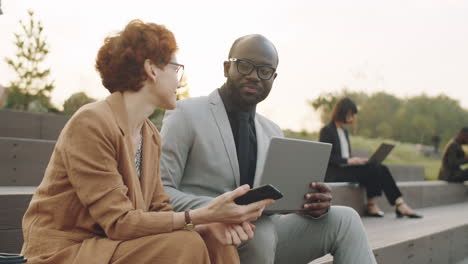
column 179, row 70
column 245, row 67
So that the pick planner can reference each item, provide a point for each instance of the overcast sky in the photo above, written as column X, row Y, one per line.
column 402, row 47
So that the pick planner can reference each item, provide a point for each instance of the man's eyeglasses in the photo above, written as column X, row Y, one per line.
column 246, row 67
column 179, row 70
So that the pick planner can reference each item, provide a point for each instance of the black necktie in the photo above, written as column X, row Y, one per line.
column 243, row 148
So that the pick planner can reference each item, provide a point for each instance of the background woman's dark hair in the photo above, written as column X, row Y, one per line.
column 463, row 133
column 342, row 108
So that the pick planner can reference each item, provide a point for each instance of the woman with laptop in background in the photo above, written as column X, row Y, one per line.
column 342, row 167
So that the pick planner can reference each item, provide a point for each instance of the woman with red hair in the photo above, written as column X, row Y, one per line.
column 101, row 199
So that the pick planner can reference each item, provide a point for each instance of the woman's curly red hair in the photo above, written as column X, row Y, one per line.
column 120, row 61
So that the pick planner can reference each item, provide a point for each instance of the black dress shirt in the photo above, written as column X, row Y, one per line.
column 232, row 115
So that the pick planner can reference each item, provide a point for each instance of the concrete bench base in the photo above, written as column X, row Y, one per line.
column 440, row 237
column 31, row 125
column 11, row 240
column 407, row 172
column 16, row 152
column 420, row 194
column 13, row 203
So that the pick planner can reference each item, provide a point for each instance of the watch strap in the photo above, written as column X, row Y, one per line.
column 188, row 220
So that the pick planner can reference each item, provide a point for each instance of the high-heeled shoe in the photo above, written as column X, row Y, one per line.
column 413, row 215
column 377, row 214
column 401, row 215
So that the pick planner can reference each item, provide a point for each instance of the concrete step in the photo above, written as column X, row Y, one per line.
column 31, row 125
column 14, row 200
column 11, row 240
column 23, row 161
column 440, row 237
column 13, row 203
column 463, row 261
column 407, row 172
column 418, row 194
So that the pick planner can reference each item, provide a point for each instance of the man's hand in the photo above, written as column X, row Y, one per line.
column 318, row 203
column 228, row 234
column 357, row 160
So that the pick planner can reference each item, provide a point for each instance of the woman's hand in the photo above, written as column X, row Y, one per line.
column 223, row 209
column 228, row 234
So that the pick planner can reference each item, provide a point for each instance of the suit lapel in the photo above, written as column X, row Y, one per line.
column 262, row 144
column 347, row 139
column 116, row 103
column 224, row 127
column 149, row 167
column 336, row 138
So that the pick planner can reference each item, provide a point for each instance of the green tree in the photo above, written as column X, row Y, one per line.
column 375, row 117
column 326, row 101
column 416, row 119
column 31, row 90
column 75, row 101
column 422, row 117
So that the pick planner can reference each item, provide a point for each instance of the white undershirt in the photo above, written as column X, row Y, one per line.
column 343, row 143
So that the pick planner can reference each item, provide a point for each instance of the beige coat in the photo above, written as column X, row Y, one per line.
column 90, row 199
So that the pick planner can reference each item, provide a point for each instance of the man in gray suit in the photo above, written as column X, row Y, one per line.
column 214, row 144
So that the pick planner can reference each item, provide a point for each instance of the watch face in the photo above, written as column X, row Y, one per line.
column 189, row 227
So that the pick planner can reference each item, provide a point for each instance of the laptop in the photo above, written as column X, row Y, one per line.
column 378, row 156
column 290, row 166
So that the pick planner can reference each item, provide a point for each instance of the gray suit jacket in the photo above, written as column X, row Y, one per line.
column 199, row 159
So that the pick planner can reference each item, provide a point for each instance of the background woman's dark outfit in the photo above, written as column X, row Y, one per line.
column 452, row 159
column 374, row 177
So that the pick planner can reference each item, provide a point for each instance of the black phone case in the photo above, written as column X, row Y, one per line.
column 11, row 258
column 260, row 193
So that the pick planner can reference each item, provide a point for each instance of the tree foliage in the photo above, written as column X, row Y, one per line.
column 31, row 90
column 75, row 101
column 415, row 119
column 326, row 101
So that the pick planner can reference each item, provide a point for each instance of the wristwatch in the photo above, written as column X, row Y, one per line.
column 188, row 222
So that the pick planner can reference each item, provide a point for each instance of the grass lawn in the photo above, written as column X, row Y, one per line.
column 403, row 153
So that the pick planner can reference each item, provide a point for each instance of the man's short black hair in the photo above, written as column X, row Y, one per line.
column 342, row 108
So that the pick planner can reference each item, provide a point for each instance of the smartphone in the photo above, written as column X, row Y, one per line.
column 263, row 192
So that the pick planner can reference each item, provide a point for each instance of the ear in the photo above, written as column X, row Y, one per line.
column 275, row 75
column 227, row 65
column 149, row 70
